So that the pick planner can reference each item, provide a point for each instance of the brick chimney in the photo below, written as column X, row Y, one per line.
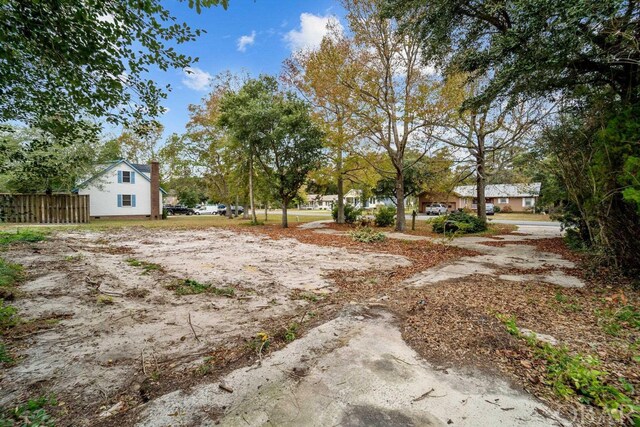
column 155, row 190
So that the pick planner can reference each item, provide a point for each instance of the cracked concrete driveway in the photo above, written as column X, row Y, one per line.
column 514, row 254
column 355, row 370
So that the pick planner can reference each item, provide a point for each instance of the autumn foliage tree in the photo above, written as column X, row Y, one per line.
column 396, row 98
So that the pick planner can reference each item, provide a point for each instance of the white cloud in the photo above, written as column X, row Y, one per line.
column 196, row 79
column 312, row 29
column 246, row 40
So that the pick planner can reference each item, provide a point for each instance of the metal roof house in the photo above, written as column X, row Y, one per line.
column 521, row 197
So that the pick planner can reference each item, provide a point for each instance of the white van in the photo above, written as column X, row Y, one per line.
column 207, row 210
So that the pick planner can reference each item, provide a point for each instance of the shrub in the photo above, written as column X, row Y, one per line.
column 497, row 209
column 385, row 216
column 458, row 222
column 507, row 209
column 351, row 213
column 367, row 235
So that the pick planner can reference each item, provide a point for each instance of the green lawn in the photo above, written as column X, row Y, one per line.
column 175, row 222
column 521, row 216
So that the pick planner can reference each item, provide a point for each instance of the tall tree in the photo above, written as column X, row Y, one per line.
column 50, row 159
column 396, row 95
column 586, row 52
column 279, row 129
column 138, row 143
column 206, row 149
column 491, row 132
column 241, row 114
column 317, row 74
column 74, row 58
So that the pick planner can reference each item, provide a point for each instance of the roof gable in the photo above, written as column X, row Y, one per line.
column 112, row 166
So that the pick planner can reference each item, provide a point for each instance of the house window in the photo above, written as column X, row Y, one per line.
column 126, row 200
column 527, row 202
column 503, row 200
column 127, row 177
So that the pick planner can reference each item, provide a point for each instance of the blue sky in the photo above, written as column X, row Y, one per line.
column 252, row 36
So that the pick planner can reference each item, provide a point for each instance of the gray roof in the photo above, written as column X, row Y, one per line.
column 501, row 190
column 144, row 168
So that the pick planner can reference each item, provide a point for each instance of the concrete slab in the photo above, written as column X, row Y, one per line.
column 353, row 371
column 494, row 258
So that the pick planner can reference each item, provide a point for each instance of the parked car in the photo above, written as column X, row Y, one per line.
column 207, row 210
column 179, row 210
column 490, row 210
column 223, row 211
column 436, row 209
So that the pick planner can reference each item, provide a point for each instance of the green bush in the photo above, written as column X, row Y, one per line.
column 385, row 216
column 497, row 209
column 458, row 222
column 351, row 213
column 367, row 235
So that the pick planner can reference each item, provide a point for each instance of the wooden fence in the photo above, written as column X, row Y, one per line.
column 44, row 208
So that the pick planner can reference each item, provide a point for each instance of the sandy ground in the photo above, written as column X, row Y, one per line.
column 96, row 349
column 354, row 370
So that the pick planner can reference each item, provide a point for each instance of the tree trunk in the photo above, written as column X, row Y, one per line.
column 266, row 211
column 251, row 196
column 285, row 223
column 228, row 213
column 400, row 220
column 245, row 211
column 480, row 183
column 340, row 219
column 236, row 206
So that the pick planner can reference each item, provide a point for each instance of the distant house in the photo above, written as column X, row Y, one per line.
column 123, row 189
column 519, row 197
column 318, row 201
column 354, row 197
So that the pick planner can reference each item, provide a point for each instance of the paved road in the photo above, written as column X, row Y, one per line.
column 426, row 217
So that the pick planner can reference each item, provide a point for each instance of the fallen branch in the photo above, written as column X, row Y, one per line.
column 423, row 396
column 225, row 387
column 193, row 330
column 144, row 369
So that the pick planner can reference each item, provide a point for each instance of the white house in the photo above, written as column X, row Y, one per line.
column 124, row 189
column 318, row 201
column 354, row 197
